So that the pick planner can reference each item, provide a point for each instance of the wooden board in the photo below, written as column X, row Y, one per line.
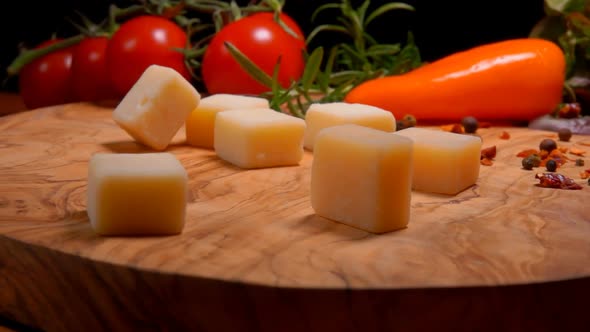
column 252, row 234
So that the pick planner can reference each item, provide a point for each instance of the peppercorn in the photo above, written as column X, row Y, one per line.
column 470, row 124
column 551, row 165
column 548, row 145
column 406, row 122
column 579, row 162
column 531, row 161
column 410, row 120
column 564, row 134
column 528, row 163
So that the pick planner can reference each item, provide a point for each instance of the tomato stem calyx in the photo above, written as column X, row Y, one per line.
column 30, row 55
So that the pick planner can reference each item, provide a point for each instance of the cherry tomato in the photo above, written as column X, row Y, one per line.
column 90, row 80
column 290, row 22
column 46, row 81
column 263, row 41
column 141, row 42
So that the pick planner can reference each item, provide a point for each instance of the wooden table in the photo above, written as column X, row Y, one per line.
column 504, row 255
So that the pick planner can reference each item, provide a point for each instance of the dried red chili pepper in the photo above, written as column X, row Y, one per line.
column 556, row 180
column 489, row 153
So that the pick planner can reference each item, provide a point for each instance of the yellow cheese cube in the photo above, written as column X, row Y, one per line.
column 136, row 194
column 156, row 107
column 361, row 177
column 201, row 121
column 258, row 138
column 325, row 115
column 444, row 162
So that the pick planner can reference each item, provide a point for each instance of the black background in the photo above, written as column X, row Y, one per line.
column 440, row 27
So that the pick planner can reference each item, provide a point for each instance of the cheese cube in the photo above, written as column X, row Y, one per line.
column 201, row 121
column 444, row 162
column 258, row 138
column 156, row 107
column 325, row 115
column 361, row 177
column 136, row 194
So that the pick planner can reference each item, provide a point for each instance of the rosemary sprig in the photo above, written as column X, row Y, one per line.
column 328, row 79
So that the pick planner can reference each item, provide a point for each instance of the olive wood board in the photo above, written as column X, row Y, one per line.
column 250, row 230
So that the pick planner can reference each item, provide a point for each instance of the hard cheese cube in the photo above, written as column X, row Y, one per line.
column 325, row 115
column 258, row 138
column 156, row 107
column 361, row 177
column 201, row 121
column 444, row 162
column 136, row 194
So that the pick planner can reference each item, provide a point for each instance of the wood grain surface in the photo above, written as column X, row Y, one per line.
column 253, row 256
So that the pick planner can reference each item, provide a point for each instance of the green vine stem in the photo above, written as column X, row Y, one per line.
column 28, row 56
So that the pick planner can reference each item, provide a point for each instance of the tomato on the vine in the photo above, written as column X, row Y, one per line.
column 263, row 41
column 90, row 80
column 143, row 41
column 46, row 81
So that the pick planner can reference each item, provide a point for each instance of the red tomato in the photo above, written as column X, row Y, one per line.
column 290, row 22
column 90, row 80
column 141, row 42
column 263, row 41
column 46, row 81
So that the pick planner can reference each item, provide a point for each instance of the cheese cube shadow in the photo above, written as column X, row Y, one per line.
column 361, row 177
column 136, row 194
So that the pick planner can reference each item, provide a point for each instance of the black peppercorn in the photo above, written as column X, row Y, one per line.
column 548, row 145
column 470, row 124
column 551, row 165
column 579, row 162
column 410, row 120
column 564, row 134
column 528, row 163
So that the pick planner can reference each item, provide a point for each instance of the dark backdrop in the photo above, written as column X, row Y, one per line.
column 440, row 27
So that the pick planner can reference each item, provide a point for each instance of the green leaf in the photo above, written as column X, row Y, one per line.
column 383, row 49
column 312, row 68
column 581, row 22
column 385, row 8
column 324, row 7
column 250, row 67
column 549, row 27
column 565, row 6
column 362, row 12
column 324, row 78
column 325, row 27
column 276, row 86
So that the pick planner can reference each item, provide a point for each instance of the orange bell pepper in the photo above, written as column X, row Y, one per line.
column 511, row 80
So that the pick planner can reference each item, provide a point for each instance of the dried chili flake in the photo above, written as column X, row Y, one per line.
column 504, row 135
column 527, row 152
column 568, row 110
column 556, row 180
column 486, row 162
column 489, row 153
column 585, row 174
column 577, row 152
column 456, row 128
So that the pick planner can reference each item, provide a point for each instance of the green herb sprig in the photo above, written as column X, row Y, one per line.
column 567, row 23
column 329, row 77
